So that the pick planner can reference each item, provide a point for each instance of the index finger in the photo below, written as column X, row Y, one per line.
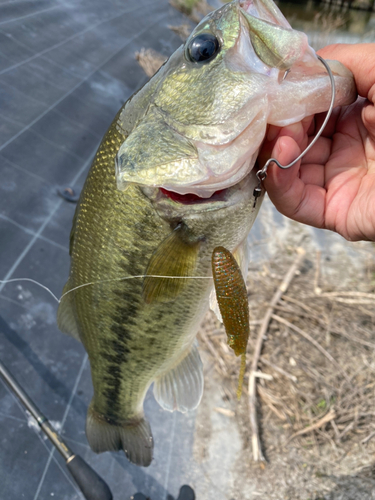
column 360, row 60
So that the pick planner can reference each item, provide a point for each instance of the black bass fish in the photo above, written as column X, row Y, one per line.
column 172, row 179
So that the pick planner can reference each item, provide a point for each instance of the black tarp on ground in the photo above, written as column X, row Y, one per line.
column 66, row 67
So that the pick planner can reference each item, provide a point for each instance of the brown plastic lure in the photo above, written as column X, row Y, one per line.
column 233, row 304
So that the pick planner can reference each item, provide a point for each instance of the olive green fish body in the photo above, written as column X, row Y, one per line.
column 131, row 342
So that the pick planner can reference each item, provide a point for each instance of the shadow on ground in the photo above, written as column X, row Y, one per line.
column 359, row 486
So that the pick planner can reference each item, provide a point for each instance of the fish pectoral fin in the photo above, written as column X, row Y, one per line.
column 181, row 388
column 135, row 438
column 65, row 316
column 174, row 257
column 214, row 305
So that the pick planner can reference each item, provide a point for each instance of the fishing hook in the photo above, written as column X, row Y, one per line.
column 262, row 173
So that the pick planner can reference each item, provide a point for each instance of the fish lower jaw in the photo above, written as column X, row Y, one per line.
column 191, row 198
column 174, row 204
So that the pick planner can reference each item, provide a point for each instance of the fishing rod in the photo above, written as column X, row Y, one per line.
column 89, row 482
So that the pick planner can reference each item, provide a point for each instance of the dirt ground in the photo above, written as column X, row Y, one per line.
column 316, row 397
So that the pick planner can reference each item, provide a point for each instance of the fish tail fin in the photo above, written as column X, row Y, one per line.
column 135, row 438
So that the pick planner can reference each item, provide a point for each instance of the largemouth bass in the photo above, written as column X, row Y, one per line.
column 172, row 179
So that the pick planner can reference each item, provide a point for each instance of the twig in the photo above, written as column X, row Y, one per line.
column 348, row 428
column 255, row 439
column 310, row 339
column 367, row 439
column 214, row 353
column 362, row 297
column 324, row 420
column 349, row 294
column 225, row 411
column 262, row 375
column 317, row 289
column 324, row 323
column 278, row 369
column 267, row 401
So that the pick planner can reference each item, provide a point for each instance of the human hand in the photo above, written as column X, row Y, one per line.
column 333, row 186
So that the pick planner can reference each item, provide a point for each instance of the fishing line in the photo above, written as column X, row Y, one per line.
column 31, row 281
column 13, row 280
column 137, row 276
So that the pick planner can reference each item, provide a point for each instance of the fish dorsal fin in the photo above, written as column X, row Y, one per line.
column 242, row 256
column 174, row 257
column 167, row 156
column 181, row 388
column 276, row 46
column 65, row 315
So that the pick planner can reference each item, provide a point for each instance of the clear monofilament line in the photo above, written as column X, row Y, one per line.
column 14, row 280
column 133, row 277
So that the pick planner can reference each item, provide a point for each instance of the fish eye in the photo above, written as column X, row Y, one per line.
column 203, row 48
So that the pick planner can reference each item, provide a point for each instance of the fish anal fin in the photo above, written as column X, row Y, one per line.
column 134, row 438
column 174, row 257
column 65, row 315
column 181, row 388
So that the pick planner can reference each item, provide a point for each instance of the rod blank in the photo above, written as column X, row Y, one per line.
column 89, row 482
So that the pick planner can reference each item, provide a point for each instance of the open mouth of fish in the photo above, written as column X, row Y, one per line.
column 193, row 199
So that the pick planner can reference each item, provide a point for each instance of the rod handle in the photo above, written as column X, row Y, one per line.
column 89, row 482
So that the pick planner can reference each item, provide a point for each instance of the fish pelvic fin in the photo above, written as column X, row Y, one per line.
column 65, row 314
column 181, row 388
column 134, row 438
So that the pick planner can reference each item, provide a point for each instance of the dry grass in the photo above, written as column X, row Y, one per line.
column 319, row 355
column 150, row 60
column 183, row 30
column 194, row 9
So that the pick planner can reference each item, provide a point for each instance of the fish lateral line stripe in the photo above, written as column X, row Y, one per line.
column 14, row 280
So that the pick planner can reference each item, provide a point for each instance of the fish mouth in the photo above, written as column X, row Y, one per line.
column 193, row 199
column 175, row 204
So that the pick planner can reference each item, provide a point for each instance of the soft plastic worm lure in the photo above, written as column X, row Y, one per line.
column 233, row 304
